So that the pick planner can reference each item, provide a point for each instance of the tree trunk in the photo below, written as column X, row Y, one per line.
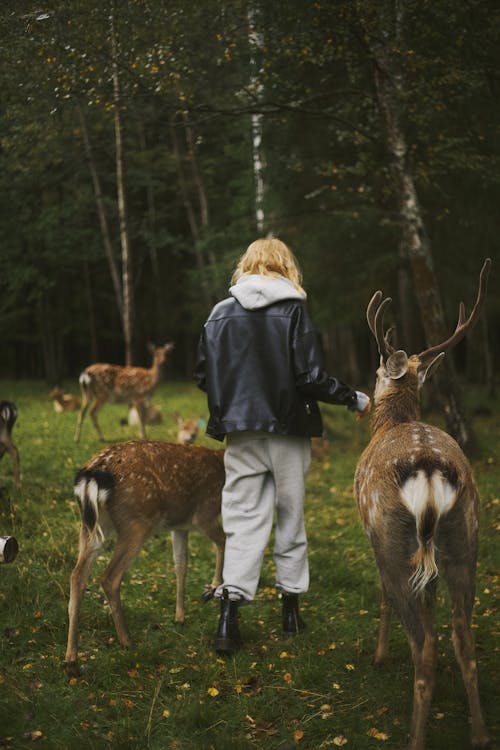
column 153, row 250
column 127, row 274
column 101, row 212
column 193, row 223
column 94, row 352
column 256, row 44
column 414, row 244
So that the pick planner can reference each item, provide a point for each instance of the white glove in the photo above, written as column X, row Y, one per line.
column 363, row 404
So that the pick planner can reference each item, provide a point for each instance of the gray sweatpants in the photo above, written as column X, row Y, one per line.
column 264, row 473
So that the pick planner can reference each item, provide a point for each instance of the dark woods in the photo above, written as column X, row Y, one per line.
column 143, row 148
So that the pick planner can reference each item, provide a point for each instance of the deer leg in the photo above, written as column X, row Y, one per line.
column 87, row 553
column 460, row 582
column 93, row 415
column 81, row 415
column 14, row 454
column 382, row 649
column 126, row 550
column 180, row 551
column 216, row 534
column 141, row 413
column 423, row 642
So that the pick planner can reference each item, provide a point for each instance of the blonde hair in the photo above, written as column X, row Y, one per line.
column 269, row 257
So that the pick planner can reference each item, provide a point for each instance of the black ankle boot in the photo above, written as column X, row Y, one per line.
column 228, row 638
column 292, row 621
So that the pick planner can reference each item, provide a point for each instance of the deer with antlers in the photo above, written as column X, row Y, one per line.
column 101, row 383
column 8, row 416
column 419, row 505
column 135, row 489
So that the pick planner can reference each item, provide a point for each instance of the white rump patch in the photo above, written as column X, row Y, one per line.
column 84, row 378
column 418, row 489
column 79, row 490
column 415, row 493
column 444, row 494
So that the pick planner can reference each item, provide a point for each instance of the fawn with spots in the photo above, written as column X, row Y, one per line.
column 101, row 383
column 136, row 489
column 419, row 505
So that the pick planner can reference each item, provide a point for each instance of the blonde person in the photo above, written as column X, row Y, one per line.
column 260, row 363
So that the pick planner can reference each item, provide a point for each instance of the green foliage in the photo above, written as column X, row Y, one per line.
column 169, row 691
column 328, row 190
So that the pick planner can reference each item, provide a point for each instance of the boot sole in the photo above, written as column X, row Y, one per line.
column 226, row 646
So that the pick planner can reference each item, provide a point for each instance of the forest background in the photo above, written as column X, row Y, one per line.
column 145, row 144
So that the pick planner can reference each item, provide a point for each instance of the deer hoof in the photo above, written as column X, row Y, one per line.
column 207, row 595
column 72, row 669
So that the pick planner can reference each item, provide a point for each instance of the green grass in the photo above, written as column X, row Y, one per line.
column 169, row 690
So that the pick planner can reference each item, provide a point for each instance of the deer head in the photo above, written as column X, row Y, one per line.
column 396, row 364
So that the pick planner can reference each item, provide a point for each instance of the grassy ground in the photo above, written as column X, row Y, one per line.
column 169, row 691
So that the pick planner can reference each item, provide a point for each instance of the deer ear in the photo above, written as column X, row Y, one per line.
column 397, row 365
column 423, row 374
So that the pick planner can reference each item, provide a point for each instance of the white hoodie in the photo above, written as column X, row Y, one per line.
column 254, row 291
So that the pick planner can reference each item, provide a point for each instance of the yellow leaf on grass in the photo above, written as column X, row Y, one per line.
column 298, row 734
column 340, row 740
column 166, row 713
column 213, row 692
column 374, row 732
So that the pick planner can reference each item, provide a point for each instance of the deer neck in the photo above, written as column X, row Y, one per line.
column 154, row 371
column 396, row 406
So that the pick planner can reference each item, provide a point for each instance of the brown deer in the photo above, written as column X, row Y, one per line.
column 135, row 489
column 150, row 414
column 419, row 506
column 101, row 383
column 63, row 401
column 8, row 416
column 187, row 429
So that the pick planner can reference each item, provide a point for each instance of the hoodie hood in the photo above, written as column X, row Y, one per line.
column 254, row 291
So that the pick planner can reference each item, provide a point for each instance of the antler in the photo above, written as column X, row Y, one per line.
column 464, row 324
column 375, row 317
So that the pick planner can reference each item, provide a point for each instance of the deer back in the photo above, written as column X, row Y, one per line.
column 117, row 383
column 155, row 484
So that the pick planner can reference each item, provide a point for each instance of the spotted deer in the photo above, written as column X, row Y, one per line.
column 419, row 505
column 63, row 401
column 8, row 416
column 187, row 429
column 134, row 490
column 101, row 383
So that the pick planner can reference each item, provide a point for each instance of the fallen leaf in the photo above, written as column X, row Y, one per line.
column 340, row 740
column 374, row 732
column 298, row 734
column 35, row 735
column 213, row 692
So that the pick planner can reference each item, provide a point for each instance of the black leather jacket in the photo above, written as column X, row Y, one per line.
column 263, row 370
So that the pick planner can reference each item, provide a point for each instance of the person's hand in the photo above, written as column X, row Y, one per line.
column 363, row 404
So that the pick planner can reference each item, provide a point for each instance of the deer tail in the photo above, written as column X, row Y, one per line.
column 8, row 412
column 423, row 561
column 85, row 380
column 92, row 488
